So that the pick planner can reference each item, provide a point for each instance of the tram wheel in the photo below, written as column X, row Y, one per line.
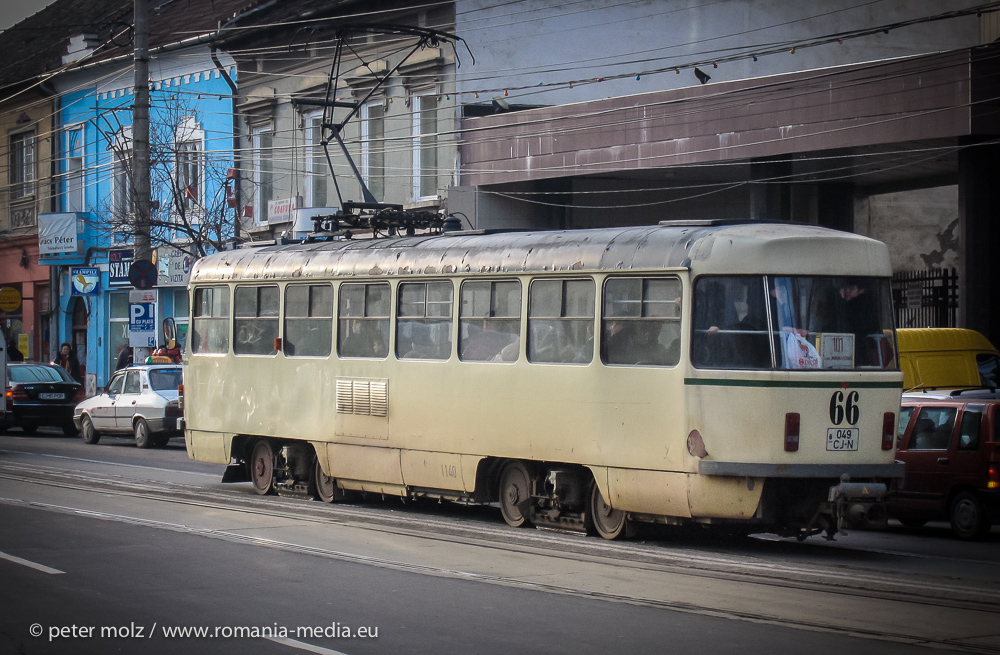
column 324, row 487
column 515, row 494
column 608, row 522
column 262, row 468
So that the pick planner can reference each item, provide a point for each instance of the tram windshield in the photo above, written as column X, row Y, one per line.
column 793, row 322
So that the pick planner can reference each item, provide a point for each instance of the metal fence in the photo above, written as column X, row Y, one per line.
column 927, row 298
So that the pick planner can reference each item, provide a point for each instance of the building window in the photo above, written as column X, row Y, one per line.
column 425, row 154
column 118, row 327
column 256, row 325
column 373, row 148
column 189, row 178
column 22, row 164
column 122, row 192
column 262, row 140
column 316, row 166
column 74, row 199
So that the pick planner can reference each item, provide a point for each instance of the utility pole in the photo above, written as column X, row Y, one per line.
column 140, row 133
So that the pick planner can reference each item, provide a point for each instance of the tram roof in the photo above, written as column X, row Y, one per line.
column 701, row 246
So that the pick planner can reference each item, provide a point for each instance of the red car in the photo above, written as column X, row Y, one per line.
column 950, row 442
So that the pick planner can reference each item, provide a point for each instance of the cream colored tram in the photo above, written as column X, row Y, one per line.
column 714, row 372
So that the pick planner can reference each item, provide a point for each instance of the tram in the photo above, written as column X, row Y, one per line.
column 718, row 372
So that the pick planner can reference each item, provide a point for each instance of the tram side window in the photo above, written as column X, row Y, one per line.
column 490, row 321
column 363, row 327
column 424, row 320
column 210, row 320
column 256, row 323
column 308, row 320
column 561, row 321
column 641, row 321
column 730, row 323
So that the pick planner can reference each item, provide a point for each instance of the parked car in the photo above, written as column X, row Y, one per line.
column 40, row 394
column 950, row 442
column 141, row 400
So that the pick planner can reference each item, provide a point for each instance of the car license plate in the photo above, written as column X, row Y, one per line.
column 842, row 438
column 51, row 396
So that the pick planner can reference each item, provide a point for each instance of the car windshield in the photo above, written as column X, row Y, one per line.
column 38, row 373
column 793, row 322
column 165, row 379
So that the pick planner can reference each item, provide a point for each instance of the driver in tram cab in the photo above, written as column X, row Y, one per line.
column 861, row 318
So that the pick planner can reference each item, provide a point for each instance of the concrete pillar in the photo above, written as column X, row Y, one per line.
column 770, row 193
column 835, row 205
column 979, row 271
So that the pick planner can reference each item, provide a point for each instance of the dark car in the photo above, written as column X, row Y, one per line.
column 950, row 442
column 40, row 394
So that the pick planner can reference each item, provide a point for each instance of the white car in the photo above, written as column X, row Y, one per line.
column 141, row 400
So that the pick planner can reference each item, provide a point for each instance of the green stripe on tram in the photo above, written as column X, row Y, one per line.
column 792, row 384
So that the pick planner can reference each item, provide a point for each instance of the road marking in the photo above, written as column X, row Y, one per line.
column 29, row 564
column 284, row 641
column 97, row 461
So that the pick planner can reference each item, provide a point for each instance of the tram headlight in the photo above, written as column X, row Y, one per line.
column 791, row 432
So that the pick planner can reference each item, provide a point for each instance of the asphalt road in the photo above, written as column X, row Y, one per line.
column 108, row 548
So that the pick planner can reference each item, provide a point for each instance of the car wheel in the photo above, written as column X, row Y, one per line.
column 70, row 430
column 89, row 434
column 968, row 516
column 143, row 437
column 29, row 428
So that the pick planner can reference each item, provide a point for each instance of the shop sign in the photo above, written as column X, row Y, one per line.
column 10, row 299
column 86, row 280
column 57, row 234
column 119, row 261
column 173, row 266
column 280, row 211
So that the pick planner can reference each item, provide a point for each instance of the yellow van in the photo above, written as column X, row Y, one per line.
column 947, row 357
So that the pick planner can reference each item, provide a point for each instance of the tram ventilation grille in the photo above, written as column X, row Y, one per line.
column 364, row 397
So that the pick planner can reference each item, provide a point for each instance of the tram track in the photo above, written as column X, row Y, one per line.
column 963, row 594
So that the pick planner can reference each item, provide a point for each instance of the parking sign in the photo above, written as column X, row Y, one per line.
column 142, row 325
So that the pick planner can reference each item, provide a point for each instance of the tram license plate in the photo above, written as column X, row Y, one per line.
column 842, row 438
column 50, row 396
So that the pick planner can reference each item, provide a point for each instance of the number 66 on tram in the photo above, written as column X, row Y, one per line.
column 715, row 372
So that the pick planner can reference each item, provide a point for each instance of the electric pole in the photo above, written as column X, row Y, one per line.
column 140, row 133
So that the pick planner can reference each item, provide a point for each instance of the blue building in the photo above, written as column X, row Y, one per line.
column 89, row 236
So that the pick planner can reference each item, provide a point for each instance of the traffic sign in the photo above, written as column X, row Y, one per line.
column 142, row 274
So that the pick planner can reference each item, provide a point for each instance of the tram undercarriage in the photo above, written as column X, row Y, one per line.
column 566, row 497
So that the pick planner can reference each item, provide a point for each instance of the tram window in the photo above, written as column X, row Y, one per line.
column 730, row 323
column 210, row 320
column 490, row 321
column 308, row 320
column 363, row 327
column 256, row 322
column 561, row 321
column 641, row 321
column 424, row 320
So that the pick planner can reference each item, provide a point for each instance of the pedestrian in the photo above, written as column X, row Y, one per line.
column 14, row 353
column 124, row 357
column 68, row 361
